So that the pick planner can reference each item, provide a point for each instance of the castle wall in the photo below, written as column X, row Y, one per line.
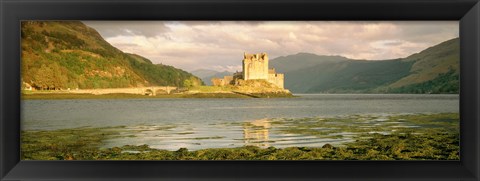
column 218, row 82
column 227, row 80
column 255, row 66
column 276, row 79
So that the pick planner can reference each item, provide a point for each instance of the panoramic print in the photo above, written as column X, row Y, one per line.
column 240, row 90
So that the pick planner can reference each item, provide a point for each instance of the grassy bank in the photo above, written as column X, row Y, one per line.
column 79, row 96
column 251, row 89
column 127, row 96
column 435, row 138
column 63, row 95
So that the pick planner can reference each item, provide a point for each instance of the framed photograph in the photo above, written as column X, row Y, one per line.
column 251, row 90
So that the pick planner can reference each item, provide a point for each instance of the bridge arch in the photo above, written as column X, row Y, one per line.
column 149, row 92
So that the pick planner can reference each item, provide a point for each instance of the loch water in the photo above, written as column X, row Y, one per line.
column 198, row 123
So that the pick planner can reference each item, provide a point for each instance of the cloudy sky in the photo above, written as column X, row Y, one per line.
column 219, row 45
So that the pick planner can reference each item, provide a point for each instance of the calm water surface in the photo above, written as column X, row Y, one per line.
column 212, row 123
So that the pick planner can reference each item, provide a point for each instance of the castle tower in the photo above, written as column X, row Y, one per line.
column 255, row 66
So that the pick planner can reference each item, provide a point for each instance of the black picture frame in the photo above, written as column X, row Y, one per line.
column 13, row 11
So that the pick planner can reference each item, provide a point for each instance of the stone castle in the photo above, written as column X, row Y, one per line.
column 254, row 67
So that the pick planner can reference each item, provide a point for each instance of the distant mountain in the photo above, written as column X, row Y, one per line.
column 204, row 72
column 207, row 75
column 434, row 70
column 69, row 54
column 303, row 60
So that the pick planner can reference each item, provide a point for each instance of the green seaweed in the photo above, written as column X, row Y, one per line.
column 435, row 138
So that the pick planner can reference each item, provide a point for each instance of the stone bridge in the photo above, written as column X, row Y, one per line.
column 153, row 90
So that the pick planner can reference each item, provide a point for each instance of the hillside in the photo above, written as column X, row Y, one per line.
column 434, row 70
column 69, row 54
column 432, row 62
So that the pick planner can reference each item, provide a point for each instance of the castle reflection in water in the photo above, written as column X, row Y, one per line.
column 256, row 132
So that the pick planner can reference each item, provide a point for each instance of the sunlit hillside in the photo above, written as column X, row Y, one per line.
column 69, row 54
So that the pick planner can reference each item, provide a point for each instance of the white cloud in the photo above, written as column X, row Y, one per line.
column 220, row 45
column 228, row 68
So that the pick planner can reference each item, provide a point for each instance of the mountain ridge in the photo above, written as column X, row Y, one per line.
column 310, row 73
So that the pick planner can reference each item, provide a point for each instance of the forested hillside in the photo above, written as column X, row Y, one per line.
column 69, row 54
